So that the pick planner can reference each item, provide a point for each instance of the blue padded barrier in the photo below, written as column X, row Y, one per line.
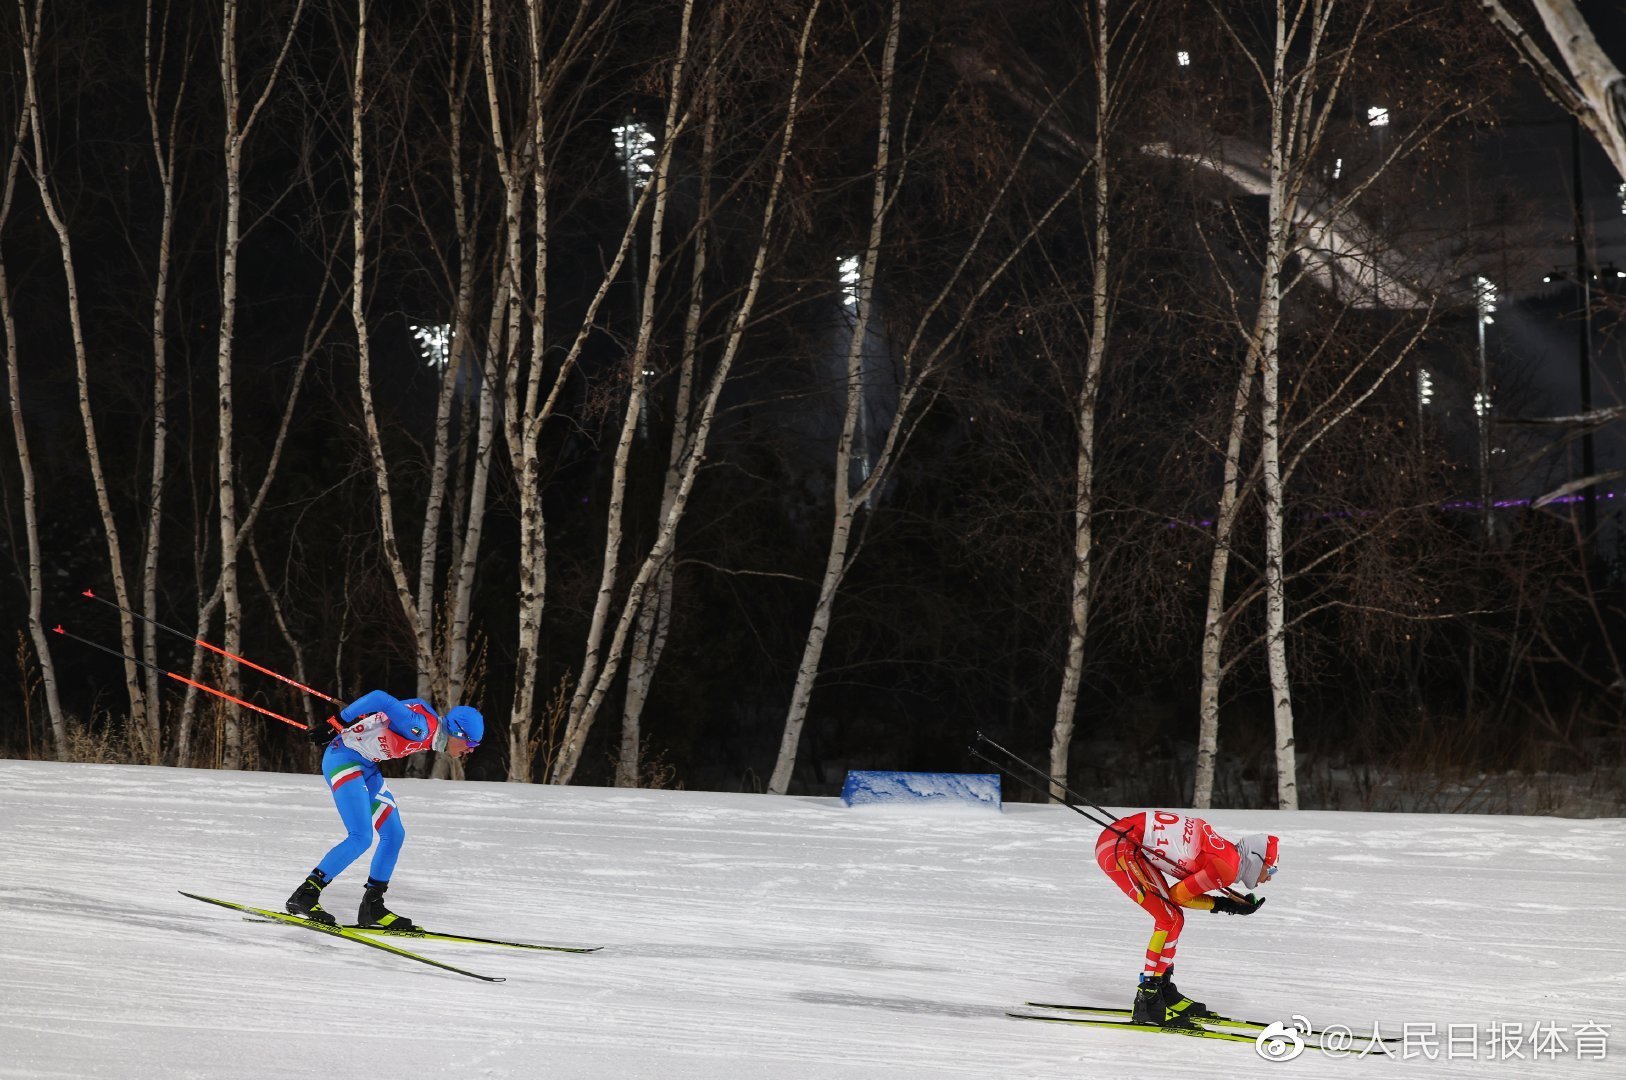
column 921, row 788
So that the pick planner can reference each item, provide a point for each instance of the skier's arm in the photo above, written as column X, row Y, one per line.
column 402, row 720
column 1211, row 874
column 367, row 704
column 1192, row 892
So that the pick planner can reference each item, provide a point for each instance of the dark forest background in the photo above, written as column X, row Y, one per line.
column 1433, row 645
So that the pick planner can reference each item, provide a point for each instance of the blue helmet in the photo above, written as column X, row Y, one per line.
column 465, row 722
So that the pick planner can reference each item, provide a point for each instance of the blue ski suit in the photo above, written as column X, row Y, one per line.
column 378, row 727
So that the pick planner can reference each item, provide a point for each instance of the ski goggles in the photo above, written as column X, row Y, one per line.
column 467, row 742
column 1266, row 874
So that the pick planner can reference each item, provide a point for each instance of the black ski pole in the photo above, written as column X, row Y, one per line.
column 1025, row 763
column 1109, row 824
column 1036, row 789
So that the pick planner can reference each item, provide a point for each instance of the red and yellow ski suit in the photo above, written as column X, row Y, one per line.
column 1137, row 851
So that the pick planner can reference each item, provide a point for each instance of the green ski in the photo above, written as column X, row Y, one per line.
column 1213, row 1021
column 341, row 932
column 466, row 939
column 1129, row 1025
column 435, row 935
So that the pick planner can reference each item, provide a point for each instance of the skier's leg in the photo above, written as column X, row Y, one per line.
column 348, row 783
column 1120, row 859
column 387, row 820
column 391, row 835
column 1168, row 921
column 342, row 772
column 1118, row 854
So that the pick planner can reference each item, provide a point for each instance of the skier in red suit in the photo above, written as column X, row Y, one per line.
column 1137, row 851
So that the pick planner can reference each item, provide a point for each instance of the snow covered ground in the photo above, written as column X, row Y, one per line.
column 748, row 936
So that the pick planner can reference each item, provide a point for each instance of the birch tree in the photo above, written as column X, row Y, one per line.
column 1593, row 91
column 452, row 523
column 236, row 131
column 30, row 24
column 654, row 615
column 532, row 386
column 163, row 123
column 444, row 680
column 637, row 366
column 393, row 558
column 25, row 460
column 740, row 319
column 1108, row 104
column 1301, row 79
column 925, row 348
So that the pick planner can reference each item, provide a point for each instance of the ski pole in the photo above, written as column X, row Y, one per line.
column 1053, row 782
column 1108, row 825
column 189, row 682
column 200, row 643
column 1025, row 763
column 1035, row 788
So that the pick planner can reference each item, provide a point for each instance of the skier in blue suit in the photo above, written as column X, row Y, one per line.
column 376, row 727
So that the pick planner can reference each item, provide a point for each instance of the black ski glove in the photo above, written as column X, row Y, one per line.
column 1238, row 907
column 321, row 733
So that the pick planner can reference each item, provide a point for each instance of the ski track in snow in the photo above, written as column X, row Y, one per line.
column 749, row 936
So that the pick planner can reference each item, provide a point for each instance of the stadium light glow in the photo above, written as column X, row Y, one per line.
column 1377, row 116
column 1485, row 293
column 435, row 343
column 635, row 146
column 847, row 271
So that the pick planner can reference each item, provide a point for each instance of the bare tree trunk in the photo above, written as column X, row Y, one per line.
column 468, row 544
column 1595, row 93
column 526, row 409
column 315, row 334
column 1297, row 122
column 225, row 455
column 358, row 316
column 637, row 383
column 440, row 682
column 844, row 506
column 230, row 530
column 163, row 148
column 238, row 752
column 532, row 584
column 1270, row 307
column 1216, row 616
column 25, row 461
column 115, row 558
column 1061, row 735
column 1281, row 695
column 654, row 616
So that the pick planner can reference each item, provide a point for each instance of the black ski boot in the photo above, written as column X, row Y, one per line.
column 306, row 901
column 1178, row 1003
column 373, row 912
column 1150, row 1008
